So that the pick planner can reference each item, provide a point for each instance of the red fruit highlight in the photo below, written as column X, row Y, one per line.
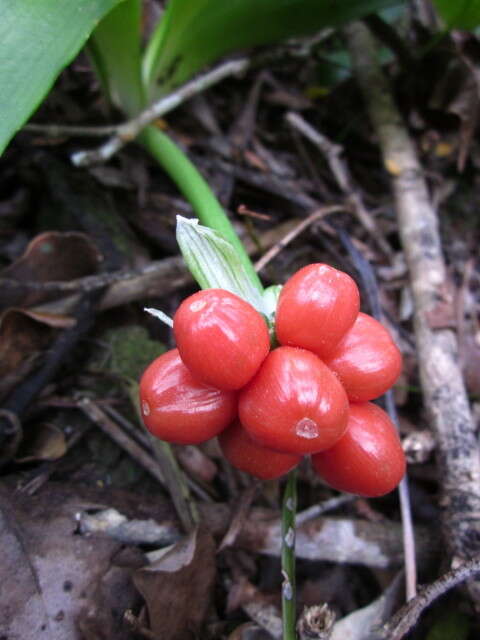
column 245, row 454
column 367, row 361
column 294, row 404
column 317, row 306
column 221, row 338
column 368, row 460
column 177, row 408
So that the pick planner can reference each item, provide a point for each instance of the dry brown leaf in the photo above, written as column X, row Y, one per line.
column 52, row 579
column 22, row 339
column 177, row 588
column 56, row 256
column 54, row 320
column 44, row 442
column 50, row 257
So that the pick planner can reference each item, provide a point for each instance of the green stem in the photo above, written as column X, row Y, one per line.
column 289, row 508
column 172, row 474
column 175, row 481
column 194, row 187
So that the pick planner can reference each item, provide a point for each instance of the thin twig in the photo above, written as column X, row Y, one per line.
column 319, row 509
column 61, row 131
column 408, row 535
column 318, row 214
column 442, row 383
column 128, row 131
column 289, row 509
column 93, row 411
column 406, row 618
column 341, row 173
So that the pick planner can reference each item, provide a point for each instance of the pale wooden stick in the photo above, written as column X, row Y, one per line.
column 441, row 378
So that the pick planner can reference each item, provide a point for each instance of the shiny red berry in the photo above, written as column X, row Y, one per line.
column 367, row 361
column 317, row 306
column 221, row 338
column 177, row 408
column 294, row 404
column 368, row 460
column 245, row 454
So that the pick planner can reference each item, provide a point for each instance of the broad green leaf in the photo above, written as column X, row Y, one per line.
column 38, row 38
column 193, row 34
column 115, row 50
column 459, row 14
column 214, row 263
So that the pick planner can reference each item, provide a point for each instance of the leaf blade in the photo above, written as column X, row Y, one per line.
column 463, row 14
column 195, row 34
column 38, row 39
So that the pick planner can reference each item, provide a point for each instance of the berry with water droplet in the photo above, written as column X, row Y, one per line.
column 294, row 404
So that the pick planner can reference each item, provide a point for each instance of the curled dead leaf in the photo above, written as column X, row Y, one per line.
column 51, row 256
column 51, row 581
column 22, row 339
column 177, row 588
column 45, row 442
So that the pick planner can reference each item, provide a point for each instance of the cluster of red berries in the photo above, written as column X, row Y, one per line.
column 270, row 407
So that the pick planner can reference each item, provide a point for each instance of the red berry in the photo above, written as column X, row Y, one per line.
column 221, row 338
column 245, row 454
column 368, row 460
column 177, row 408
column 367, row 361
column 294, row 404
column 317, row 306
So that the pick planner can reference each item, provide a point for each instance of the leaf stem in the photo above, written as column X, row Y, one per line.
column 194, row 187
column 289, row 508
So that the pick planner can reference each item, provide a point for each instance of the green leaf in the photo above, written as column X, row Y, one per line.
column 38, row 39
column 214, row 263
column 194, row 34
column 115, row 51
column 459, row 14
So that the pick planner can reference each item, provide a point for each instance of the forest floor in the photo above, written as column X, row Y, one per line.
column 307, row 173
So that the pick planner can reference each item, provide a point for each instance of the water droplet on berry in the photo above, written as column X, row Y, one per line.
column 145, row 408
column 197, row 305
column 306, row 428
